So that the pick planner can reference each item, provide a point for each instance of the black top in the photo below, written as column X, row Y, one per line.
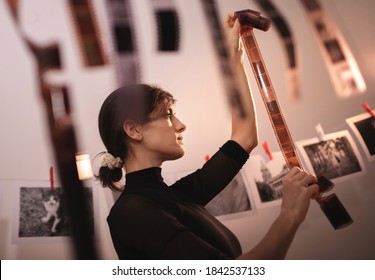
column 153, row 221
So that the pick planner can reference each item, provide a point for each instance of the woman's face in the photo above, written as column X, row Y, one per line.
column 162, row 137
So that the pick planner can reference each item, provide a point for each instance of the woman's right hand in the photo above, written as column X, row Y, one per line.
column 232, row 30
column 299, row 187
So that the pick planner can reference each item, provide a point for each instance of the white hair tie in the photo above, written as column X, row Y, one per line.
column 111, row 162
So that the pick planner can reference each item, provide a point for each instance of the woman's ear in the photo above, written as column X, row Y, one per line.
column 133, row 130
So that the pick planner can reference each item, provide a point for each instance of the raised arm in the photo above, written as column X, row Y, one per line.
column 244, row 130
column 299, row 188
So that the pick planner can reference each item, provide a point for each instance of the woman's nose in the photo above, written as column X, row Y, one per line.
column 179, row 125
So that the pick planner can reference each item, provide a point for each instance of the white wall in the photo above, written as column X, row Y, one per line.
column 193, row 77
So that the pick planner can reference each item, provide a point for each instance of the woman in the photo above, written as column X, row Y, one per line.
column 150, row 220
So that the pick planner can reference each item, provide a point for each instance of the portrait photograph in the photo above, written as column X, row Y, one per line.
column 335, row 156
column 363, row 127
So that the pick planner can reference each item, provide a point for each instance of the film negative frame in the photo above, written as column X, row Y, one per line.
column 124, row 48
column 168, row 25
column 87, row 32
column 339, row 59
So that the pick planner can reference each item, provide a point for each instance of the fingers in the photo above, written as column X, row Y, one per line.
column 230, row 20
column 313, row 191
column 295, row 170
column 236, row 24
column 304, row 178
column 308, row 180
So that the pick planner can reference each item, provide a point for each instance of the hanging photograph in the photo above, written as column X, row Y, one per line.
column 40, row 214
column 265, row 178
column 363, row 126
column 335, row 156
column 233, row 201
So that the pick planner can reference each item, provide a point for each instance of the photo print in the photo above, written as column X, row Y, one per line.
column 233, row 201
column 363, row 127
column 335, row 156
column 265, row 178
column 40, row 214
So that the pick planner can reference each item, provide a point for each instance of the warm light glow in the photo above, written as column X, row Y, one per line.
column 84, row 166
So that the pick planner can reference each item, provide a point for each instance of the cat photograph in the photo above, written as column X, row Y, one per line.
column 51, row 202
column 42, row 212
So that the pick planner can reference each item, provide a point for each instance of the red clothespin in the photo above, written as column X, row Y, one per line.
column 207, row 158
column 267, row 150
column 51, row 181
column 368, row 109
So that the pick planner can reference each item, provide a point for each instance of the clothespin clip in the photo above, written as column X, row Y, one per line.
column 368, row 109
column 51, row 181
column 320, row 132
column 267, row 150
column 207, row 158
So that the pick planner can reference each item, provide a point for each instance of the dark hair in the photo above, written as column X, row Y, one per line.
column 133, row 102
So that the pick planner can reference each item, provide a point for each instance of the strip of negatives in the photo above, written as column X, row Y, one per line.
column 283, row 29
column 330, row 205
column 63, row 139
column 124, row 51
column 87, row 32
column 168, row 27
column 234, row 97
column 342, row 66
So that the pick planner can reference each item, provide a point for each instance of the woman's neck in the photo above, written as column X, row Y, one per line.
column 133, row 164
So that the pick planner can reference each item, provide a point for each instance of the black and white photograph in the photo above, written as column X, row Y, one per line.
column 335, row 156
column 265, row 177
column 41, row 214
column 363, row 127
column 234, row 199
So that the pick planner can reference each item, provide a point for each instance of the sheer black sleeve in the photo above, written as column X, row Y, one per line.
column 205, row 183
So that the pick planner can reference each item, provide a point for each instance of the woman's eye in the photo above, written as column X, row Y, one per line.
column 170, row 114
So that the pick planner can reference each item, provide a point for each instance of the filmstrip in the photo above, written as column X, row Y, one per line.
column 233, row 95
column 61, row 131
column 124, row 53
column 283, row 29
column 342, row 66
column 168, row 27
column 87, row 32
column 331, row 205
